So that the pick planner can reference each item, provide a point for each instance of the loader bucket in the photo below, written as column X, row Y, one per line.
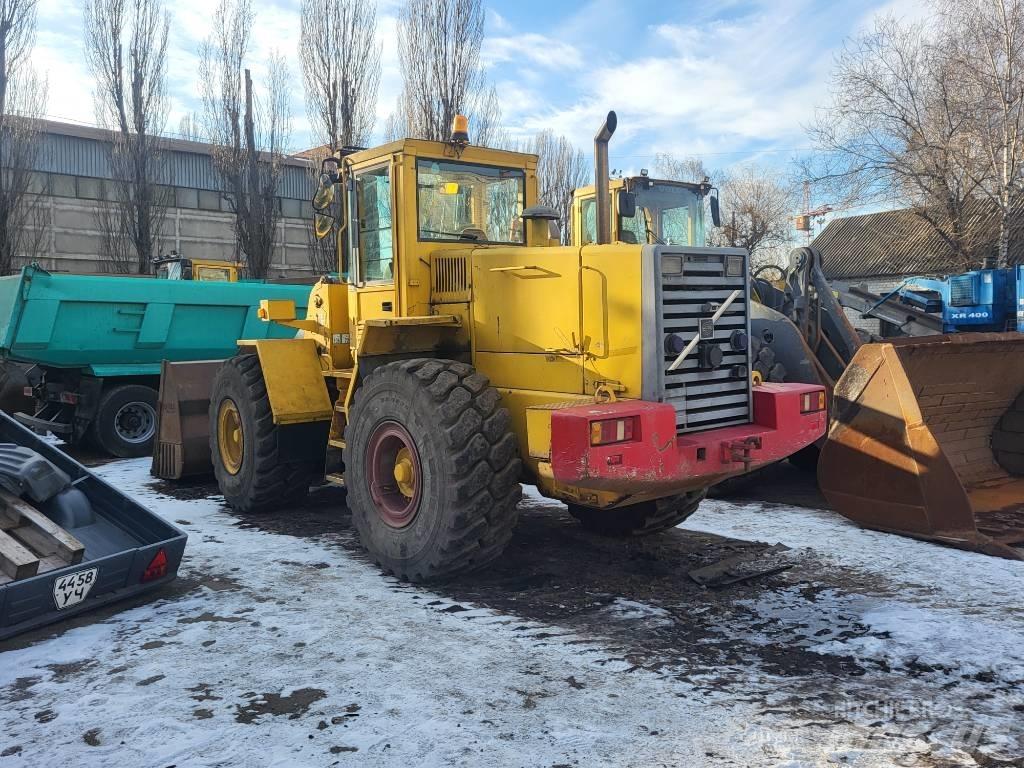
column 182, row 445
column 927, row 440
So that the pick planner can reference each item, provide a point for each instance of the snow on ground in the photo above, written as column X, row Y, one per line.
column 275, row 650
column 948, row 608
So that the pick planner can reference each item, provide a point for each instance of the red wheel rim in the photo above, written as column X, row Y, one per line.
column 393, row 471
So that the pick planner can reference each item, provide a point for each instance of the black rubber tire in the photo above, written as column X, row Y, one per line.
column 469, row 468
column 12, row 388
column 806, row 459
column 640, row 519
column 103, row 433
column 1008, row 439
column 265, row 480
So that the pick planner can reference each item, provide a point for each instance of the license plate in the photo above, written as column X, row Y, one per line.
column 73, row 588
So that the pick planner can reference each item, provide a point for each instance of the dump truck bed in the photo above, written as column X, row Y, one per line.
column 108, row 325
column 122, row 539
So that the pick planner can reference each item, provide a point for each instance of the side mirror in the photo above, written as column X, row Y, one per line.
column 324, row 195
column 323, row 225
column 627, row 204
column 329, row 176
column 330, row 167
column 716, row 214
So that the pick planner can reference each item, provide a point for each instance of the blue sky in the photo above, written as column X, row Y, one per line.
column 732, row 81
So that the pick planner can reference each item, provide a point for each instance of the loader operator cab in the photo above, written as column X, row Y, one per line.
column 646, row 210
column 395, row 213
column 175, row 267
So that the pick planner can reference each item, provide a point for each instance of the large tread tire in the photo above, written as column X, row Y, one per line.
column 1008, row 439
column 806, row 459
column 640, row 519
column 469, row 468
column 265, row 480
column 103, row 432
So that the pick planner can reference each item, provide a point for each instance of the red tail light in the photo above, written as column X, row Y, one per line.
column 811, row 402
column 156, row 569
column 71, row 398
column 609, row 431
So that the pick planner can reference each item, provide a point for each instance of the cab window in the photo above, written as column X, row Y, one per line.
column 170, row 270
column 376, row 249
column 588, row 220
column 469, row 202
column 214, row 274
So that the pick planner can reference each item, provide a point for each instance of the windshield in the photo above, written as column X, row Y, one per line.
column 668, row 214
column 214, row 274
column 169, row 271
column 471, row 203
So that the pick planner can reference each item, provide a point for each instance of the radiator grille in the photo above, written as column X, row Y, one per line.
column 449, row 278
column 706, row 398
column 962, row 292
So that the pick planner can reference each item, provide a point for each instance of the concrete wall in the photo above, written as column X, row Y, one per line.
column 72, row 242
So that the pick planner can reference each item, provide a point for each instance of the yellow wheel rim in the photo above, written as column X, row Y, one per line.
column 405, row 473
column 229, row 436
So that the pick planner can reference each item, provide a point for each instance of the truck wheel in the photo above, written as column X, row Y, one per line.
column 432, row 469
column 125, row 421
column 243, row 442
column 640, row 519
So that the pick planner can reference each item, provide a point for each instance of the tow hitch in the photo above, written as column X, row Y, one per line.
column 740, row 450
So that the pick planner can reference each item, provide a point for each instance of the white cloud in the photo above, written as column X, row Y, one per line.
column 736, row 83
column 538, row 49
column 733, row 78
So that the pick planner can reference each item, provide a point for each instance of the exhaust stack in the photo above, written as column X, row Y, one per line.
column 604, row 200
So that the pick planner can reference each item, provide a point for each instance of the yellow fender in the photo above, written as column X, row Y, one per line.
column 295, row 383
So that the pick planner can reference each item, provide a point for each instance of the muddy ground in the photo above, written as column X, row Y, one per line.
column 806, row 656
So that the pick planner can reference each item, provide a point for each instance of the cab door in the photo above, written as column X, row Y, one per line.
column 373, row 288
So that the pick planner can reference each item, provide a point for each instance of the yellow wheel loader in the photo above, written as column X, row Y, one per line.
column 927, row 430
column 464, row 352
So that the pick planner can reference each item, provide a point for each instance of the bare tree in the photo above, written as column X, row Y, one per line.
column 249, row 135
column 190, row 127
column 561, row 168
column 668, row 166
column 22, row 103
column 126, row 49
column 757, row 208
column 439, row 45
column 693, row 170
column 340, row 69
column 898, row 131
column 985, row 44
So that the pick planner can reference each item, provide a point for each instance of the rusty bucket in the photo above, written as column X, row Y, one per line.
column 182, row 445
column 927, row 440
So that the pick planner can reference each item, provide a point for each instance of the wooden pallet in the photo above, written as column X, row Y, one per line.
column 31, row 543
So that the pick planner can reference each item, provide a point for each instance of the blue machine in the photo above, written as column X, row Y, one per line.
column 982, row 300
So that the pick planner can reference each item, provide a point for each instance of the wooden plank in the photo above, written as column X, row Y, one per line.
column 60, row 542
column 50, row 564
column 16, row 561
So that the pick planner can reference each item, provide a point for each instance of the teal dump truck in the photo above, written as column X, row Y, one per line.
column 94, row 345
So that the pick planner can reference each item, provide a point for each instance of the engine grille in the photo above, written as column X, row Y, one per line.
column 706, row 398
column 962, row 291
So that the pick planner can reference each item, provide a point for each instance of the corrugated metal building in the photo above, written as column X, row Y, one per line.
column 72, row 169
column 76, row 150
column 898, row 244
column 880, row 250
